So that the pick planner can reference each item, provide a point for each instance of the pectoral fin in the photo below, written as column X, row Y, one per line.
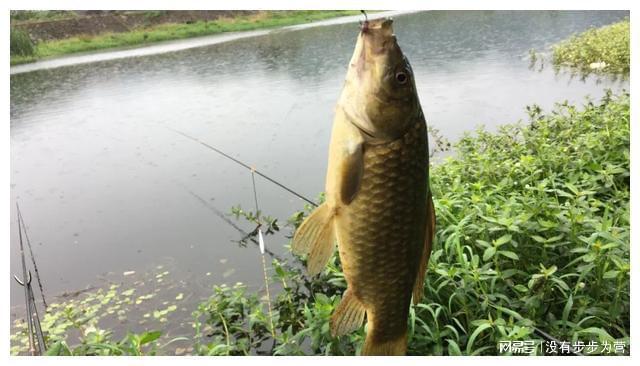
column 348, row 316
column 316, row 238
column 351, row 171
column 430, row 229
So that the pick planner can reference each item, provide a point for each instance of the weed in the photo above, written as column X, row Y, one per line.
column 601, row 50
column 21, row 44
column 533, row 232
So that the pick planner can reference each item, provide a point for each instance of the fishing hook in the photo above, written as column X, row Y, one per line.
column 365, row 15
column 364, row 25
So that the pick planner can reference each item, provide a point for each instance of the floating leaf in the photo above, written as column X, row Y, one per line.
column 128, row 292
column 228, row 272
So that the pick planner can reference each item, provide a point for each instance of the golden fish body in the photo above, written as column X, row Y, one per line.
column 378, row 208
column 381, row 232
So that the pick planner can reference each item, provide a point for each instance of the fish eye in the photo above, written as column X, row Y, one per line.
column 401, row 77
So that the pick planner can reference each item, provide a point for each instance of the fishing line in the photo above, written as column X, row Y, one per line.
column 243, row 165
column 262, row 248
column 366, row 19
column 255, row 194
column 221, row 215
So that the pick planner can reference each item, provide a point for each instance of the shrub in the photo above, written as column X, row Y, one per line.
column 603, row 49
column 532, row 235
column 21, row 44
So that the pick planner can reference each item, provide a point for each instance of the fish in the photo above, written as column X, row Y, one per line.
column 378, row 208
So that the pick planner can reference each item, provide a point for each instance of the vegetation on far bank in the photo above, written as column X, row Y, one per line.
column 532, row 233
column 171, row 31
column 604, row 49
column 601, row 51
column 39, row 15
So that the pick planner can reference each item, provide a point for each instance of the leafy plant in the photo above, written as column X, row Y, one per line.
column 20, row 43
column 601, row 50
column 532, row 235
column 530, row 220
column 231, row 322
column 73, row 327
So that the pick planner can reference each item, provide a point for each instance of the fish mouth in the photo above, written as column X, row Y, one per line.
column 377, row 34
column 377, row 24
column 376, row 38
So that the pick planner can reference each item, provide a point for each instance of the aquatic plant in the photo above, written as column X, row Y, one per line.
column 83, row 322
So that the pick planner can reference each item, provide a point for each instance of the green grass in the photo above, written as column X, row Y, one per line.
column 82, row 317
column 165, row 32
column 40, row 15
column 21, row 44
column 598, row 50
column 532, row 233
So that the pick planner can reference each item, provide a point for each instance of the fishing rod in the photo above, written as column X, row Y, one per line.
column 33, row 259
column 33, row 318
column 36, row 322
column 262, row 250
column 27, row 298
column 258, row 229
column 246, row 166
column 33, row 321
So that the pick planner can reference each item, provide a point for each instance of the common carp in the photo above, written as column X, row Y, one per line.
column 378, row 206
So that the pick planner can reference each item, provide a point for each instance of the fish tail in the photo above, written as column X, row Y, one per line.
column 392, row 347
column 378, row 343
column 316, row 237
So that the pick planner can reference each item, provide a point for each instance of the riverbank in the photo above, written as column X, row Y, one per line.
column 539, row 240
column 143, row 34
column 599, row 50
